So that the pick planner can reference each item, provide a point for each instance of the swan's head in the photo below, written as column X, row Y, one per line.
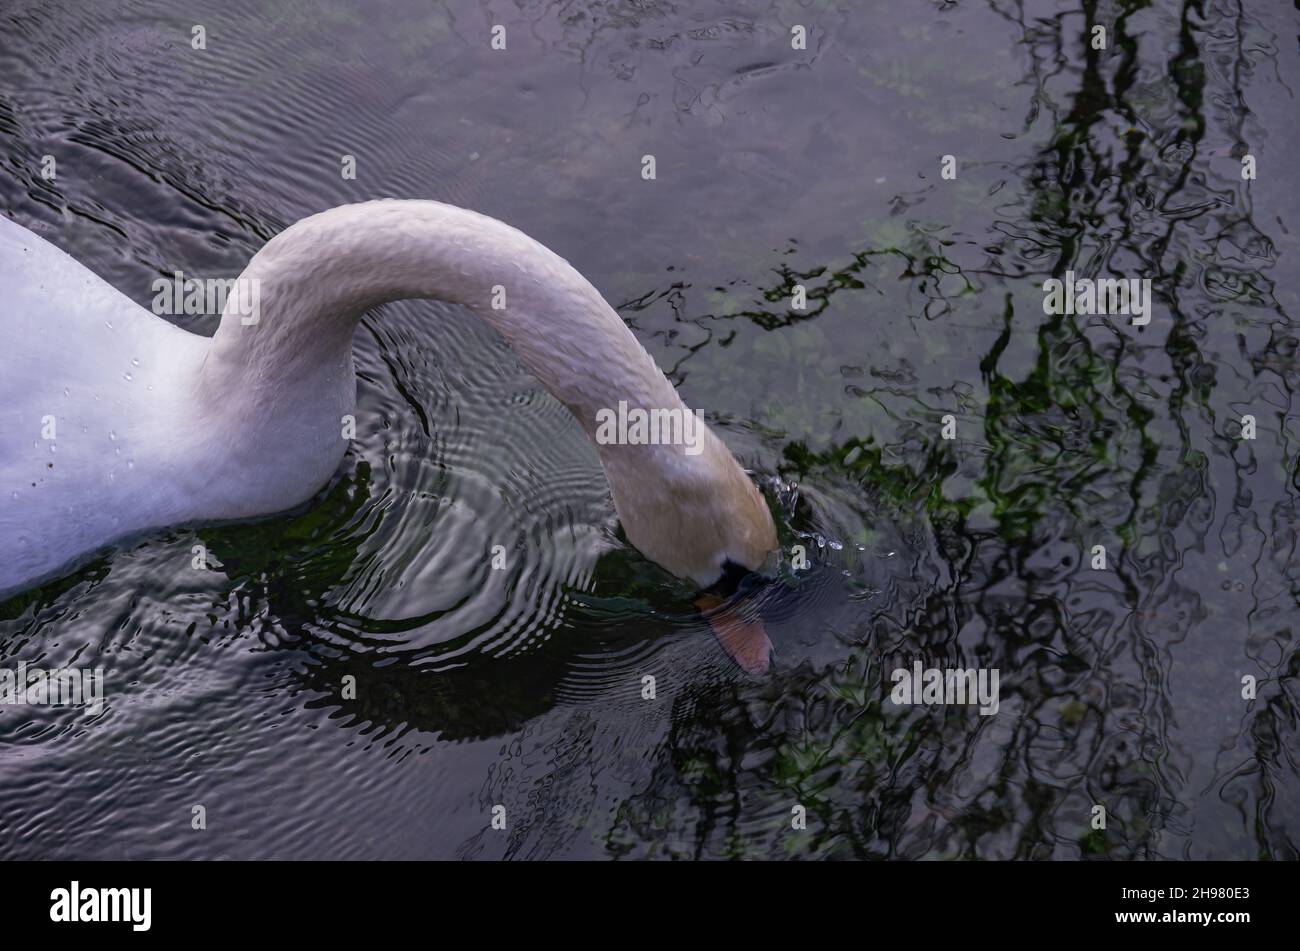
column 703, row 519
column 692, row 514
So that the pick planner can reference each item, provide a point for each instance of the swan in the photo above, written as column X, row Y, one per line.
column 114, row 422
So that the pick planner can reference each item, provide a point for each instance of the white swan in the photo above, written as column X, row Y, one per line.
column 113, row 421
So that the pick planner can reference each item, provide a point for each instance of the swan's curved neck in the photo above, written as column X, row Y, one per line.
column 276, row 381
column 312, row 282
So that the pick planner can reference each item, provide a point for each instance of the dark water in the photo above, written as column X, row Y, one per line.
column 775, row 166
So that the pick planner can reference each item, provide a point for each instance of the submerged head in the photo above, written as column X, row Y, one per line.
column 692, row 514
column 701, row 518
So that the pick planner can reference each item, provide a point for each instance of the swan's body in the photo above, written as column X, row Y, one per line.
column 156, row 426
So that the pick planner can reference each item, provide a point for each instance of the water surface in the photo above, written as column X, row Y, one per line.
column 775, row 167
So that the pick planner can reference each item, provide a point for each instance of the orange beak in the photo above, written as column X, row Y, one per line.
column 740, row 634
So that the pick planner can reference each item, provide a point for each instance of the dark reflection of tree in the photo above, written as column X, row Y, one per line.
column 1081, row 449
column 1266, row 764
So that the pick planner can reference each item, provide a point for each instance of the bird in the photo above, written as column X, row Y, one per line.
column 115, row 422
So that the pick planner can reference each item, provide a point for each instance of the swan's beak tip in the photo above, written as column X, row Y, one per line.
column 743, row 638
